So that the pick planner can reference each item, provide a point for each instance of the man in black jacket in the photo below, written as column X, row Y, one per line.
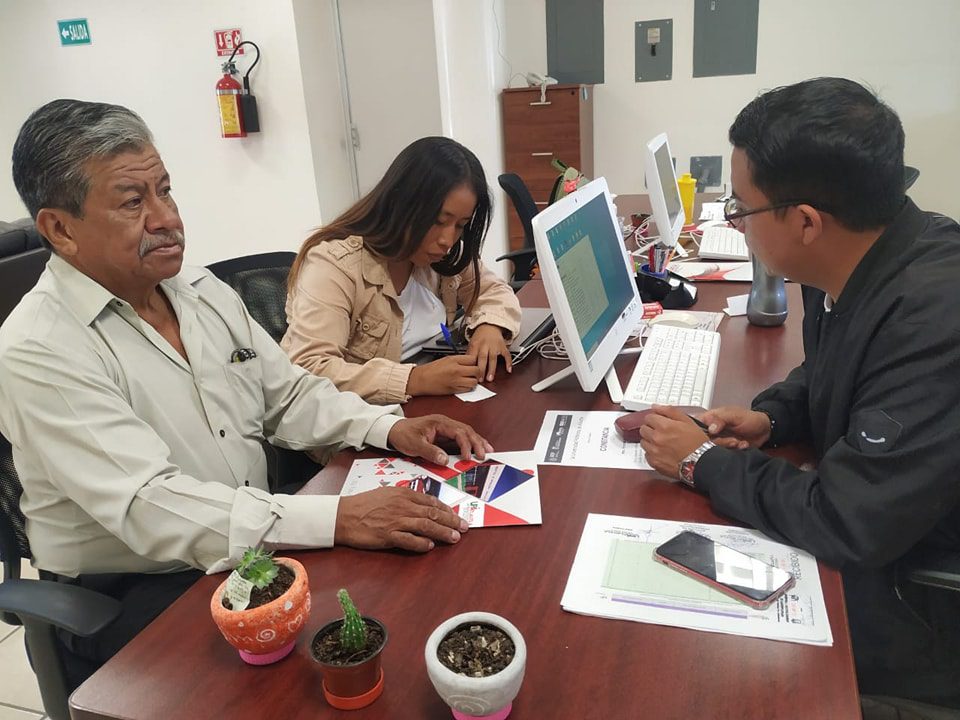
column 817, row 174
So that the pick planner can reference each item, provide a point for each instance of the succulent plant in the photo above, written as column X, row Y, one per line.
column 353, row 632
column 258, row 567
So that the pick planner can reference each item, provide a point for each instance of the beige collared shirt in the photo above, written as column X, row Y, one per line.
column 346, row 323
column 133, row 459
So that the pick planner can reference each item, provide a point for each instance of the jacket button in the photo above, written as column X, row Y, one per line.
column 354, row 243
column 223, row 433
column 366, row 327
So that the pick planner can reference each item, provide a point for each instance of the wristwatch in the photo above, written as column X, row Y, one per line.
column 690, row 462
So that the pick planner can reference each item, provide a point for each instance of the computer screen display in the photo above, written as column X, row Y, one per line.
column 663, row 189
column 588, row 278
column 587, row 253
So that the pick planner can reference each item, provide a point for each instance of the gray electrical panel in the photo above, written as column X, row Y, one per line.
column 575, row 41
column 653, row 41
column 725, row 37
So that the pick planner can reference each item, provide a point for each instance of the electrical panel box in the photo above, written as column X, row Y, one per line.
column 725, row 37
column 654, row 50
column 575, row 41
column 706, row 170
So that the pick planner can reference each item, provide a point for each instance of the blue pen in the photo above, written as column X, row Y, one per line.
column 449, row 338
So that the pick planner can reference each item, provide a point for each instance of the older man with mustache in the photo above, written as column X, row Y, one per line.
column 136, row 393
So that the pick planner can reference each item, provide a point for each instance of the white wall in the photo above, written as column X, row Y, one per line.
column 865, row 40
column 236, row 196
column 471, row 74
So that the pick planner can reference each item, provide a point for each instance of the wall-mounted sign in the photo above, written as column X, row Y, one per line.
column 73, row 32
column 227, row 40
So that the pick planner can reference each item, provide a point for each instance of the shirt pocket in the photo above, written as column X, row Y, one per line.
column 245, row 383
column 367, row 339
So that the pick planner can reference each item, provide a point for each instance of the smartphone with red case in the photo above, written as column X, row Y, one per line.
column 751, row 581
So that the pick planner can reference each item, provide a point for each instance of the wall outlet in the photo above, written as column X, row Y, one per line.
column 706, row 170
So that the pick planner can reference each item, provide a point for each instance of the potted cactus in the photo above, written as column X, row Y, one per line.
column 348, row 650
column 262, row 605
column 476, row 662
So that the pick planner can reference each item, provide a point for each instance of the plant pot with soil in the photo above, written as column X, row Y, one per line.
column 348, row 651
column 476, row 662
column 262, row 606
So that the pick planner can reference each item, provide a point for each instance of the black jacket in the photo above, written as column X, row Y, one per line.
column 878, row 398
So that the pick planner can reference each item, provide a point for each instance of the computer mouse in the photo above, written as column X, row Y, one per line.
column 628, row 426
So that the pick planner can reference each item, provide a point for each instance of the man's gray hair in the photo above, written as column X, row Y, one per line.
column 57, row 141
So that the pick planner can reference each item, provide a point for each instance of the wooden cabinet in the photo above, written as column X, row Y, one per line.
column 535, row 133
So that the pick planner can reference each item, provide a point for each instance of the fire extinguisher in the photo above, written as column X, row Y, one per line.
column 237, row 105
column 228, row 98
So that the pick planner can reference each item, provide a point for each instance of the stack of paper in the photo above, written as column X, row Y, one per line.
column 614, row 575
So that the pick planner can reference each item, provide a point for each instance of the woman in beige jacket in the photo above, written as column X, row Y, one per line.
column 368, row 290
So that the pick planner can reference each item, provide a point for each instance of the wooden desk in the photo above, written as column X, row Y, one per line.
column 578, row 667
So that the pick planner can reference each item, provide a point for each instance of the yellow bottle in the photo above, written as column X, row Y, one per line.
column 688, row 186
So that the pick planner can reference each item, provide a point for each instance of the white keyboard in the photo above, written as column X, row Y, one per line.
column 723, row 243
column 678, row 366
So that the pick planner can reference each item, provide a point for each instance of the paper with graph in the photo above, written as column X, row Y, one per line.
column 614, row 575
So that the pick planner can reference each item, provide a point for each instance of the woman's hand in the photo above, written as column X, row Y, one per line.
column 446, row 376
column 487, row 344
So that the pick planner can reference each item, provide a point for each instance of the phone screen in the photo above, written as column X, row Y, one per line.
column 726, row 567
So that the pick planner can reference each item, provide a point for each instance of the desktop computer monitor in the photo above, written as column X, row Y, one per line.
column 663, row 189
column 589, row 280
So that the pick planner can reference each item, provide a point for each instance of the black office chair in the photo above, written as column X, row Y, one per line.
column 44, row 605
column 524, row 259
column 261, row 282
column 910, row 175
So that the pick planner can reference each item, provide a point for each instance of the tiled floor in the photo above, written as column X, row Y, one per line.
column 19, row 695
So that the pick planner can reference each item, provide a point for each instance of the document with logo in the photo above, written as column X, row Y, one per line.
column 586, row 439
column 614, row 575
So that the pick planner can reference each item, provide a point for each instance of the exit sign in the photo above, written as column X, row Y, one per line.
column 74, row 32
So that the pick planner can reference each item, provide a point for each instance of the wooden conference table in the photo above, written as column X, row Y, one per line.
column 578, row 667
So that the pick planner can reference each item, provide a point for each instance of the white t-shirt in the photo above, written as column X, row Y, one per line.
column 422, row 314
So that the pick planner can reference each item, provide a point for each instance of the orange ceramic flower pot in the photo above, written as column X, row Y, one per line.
column 266, row 634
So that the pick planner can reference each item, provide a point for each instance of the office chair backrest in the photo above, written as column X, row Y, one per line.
column 910, row 175
column 18, row 274
column 522, row 202
column 261, row 282
column 13, row 537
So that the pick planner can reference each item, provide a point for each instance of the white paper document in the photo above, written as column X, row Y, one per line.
column 712, row 211
column 614, row 575
column 586, row 439
column 736, row 305
column 477, row 394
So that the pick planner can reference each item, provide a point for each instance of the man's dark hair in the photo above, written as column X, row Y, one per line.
column 56, row 142
column 828, row 142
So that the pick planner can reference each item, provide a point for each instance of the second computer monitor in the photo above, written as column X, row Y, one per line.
column 589, row 279
column 663, row 189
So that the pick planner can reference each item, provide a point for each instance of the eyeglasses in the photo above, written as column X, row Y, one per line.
column 732, row 210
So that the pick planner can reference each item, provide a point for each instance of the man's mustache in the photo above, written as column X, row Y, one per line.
column 152, row 242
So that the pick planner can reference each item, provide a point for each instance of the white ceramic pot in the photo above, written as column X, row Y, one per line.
column 477, row 697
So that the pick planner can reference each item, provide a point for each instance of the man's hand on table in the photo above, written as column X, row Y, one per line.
column 667, row 436
column 395, row 517
column 398, row 517
column 417, row 437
